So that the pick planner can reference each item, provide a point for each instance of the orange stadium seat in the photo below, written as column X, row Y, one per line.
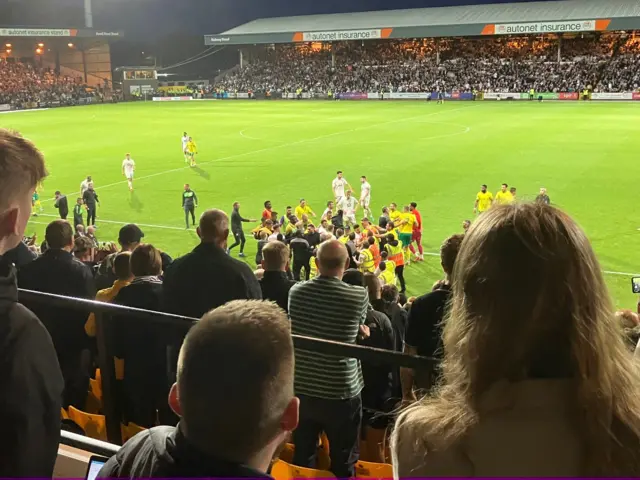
column 94, row 426
column 130, row 430
column 285, row 471
column 373, row 470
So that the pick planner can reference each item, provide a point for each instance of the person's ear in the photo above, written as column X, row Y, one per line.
column 262, row 264
column 347, row 263
column 9, row 222
column 291, row 415
column 174, row 400
column 198, row 232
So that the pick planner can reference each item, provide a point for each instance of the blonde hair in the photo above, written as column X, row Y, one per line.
column 530, row 301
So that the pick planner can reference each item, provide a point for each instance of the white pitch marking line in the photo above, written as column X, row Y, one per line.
column 290, row 144
column 608, row 272
column 100, row 220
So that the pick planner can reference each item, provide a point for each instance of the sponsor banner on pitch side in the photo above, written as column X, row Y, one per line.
column 568, row 96
column 612, row 96
column 503, row 96
column 410, row 95
column 172, row 99
column 353, row 96
column 5, row 107
column 635, row 96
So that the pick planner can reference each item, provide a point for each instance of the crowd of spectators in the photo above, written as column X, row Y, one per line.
column 538, row 369
column 24, row 85
column 603, row 64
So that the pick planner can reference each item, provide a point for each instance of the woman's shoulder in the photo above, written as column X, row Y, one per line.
column 423, row 445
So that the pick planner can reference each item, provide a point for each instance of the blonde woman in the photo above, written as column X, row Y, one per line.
column 537, row 378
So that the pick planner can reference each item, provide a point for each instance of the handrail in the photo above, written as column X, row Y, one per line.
column 87, row 443
column 308, row 343
column 104, row 313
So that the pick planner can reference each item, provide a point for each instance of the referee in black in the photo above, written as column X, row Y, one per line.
column 236, row 228
column 189, row 204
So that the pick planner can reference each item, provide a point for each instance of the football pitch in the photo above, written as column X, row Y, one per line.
column 585, row 154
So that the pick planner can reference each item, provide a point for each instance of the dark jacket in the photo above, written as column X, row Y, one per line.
column 20, row 256
column 90, row 198
column 143, row 346
column 58, row 272
column 236, row 221
column 164, row 452
column 300, row 250
column 378, row 378
column 205, row 279
column 313, row 238
column 31, row 386
column 275, row 287
column 62, row 205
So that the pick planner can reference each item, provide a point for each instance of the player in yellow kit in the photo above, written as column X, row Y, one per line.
column 504, row 196
column 484, row 199
column 407, row 221
column 191, row 151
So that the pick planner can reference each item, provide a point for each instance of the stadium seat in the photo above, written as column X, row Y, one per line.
column 63, row 414
column 373, row 470
column 287, row 452
column 374, row 446
column 94, row 426
column 282, row 470
column 324, row 454
column 130, row 430
column 119, row 365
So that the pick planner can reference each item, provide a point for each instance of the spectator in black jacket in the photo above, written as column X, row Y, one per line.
column 312, row 236
column 275, row 283
column 143, row 344
column 398, row 317
column 30, row 378
column 207, row 277
column 57, row 271
column 62, row 205
column 90, row 199
column 377, row 394
column 302, row 253
column 234, row 394
column 236, row 229
column 424, row 325
column 20, row 255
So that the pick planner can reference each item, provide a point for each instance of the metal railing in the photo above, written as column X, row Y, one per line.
column 97, row 447
column 105, row 311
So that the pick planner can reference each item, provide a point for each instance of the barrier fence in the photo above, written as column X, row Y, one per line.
column 104, row 339
column 454, row 95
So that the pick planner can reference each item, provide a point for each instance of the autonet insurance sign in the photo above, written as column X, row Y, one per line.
column 546, row 27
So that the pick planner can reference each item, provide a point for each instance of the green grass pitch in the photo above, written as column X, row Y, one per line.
column 586, row 154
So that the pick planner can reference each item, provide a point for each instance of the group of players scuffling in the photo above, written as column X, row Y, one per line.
column 383, row 249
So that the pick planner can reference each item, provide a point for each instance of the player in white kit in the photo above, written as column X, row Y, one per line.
column 185, row 140
column 365, row 196
column 128, row 168
column 338, row 185
column 349, row 205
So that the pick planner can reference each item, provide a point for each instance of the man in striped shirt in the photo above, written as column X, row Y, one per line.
column 329, row 387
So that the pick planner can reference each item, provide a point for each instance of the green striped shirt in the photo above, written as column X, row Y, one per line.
column 327, row 308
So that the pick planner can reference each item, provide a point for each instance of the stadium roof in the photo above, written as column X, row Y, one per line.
column 494, row 19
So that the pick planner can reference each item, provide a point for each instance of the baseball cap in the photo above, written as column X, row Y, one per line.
column 130, row 233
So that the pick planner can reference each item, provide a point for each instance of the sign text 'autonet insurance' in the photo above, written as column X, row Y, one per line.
column 341, row 35
column 546, row 27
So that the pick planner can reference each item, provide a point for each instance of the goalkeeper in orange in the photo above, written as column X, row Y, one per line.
column 191, row 149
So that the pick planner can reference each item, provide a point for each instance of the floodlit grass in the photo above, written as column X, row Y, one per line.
column 586, row 154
